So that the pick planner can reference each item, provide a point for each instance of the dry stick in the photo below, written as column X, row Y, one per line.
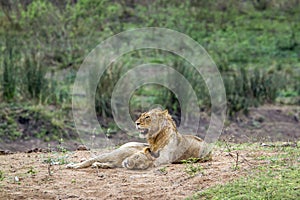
column 237, row 156
column 98, row 173
column 237, row 160
column 49, row 161
column 49, row 169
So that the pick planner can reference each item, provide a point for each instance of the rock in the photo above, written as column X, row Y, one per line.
column 16, row 179
column 82, row 148
column 5, row 152
column 34, row 150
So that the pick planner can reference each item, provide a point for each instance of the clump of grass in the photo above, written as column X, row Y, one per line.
column 192, row 168
column 1, row 175
column 246, row 88
column 273, row 184
column 35, row 81
column 9, row 75
column 163, row 170
column 59, row 157
column 31, row 171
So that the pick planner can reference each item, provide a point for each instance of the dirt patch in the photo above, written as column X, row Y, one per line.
column 267, row 123
column 167, row 182
column 26, row 175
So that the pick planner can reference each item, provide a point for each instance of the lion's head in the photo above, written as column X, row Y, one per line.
column 153, row 121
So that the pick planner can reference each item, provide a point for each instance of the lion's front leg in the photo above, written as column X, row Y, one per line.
column 168, row 153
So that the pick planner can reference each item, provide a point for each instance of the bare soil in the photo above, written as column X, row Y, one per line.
column 27, row 176
column 267, row 123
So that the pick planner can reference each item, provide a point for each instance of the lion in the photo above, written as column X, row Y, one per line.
column 165, row 145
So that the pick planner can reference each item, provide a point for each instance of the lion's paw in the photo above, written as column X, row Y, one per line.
column 126, row 164
column 70, row 166
column 102, row 165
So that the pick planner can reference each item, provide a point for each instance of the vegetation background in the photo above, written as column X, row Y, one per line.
column 255, row 44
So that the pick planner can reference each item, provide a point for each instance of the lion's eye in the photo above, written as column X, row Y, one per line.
column 147, row 117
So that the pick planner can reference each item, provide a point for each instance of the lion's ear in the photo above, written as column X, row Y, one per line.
column 165, row 112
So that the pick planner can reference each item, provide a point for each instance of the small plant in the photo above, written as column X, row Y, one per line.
column 31, row 171
column 54, row 159
column 163, row 170
column 60, row 160
column 192, row 168
column 190, row 160
column 235, row 165
column 60, row 147
column 1, row 175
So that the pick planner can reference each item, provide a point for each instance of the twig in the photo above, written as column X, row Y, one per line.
column 237, row 161
column 49, row 169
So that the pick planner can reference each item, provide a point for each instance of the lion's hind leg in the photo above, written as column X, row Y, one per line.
column 103, row 158
column 111, row 159
column 83, row 164
column 103, row 165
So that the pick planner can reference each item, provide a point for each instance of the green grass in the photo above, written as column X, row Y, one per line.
column 256, row 49
column 278, row 179
column 271, row 184
column 1, row 175
column 23, row 121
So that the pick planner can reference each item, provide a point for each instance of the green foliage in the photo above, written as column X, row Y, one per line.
column 163, row 170
column 190, row 161
column 59, row 157
column 251, row 88
column 60, row 160
column 9, row 66
column 23, row 122
column 31, row 171
column 273, row 184
column 255, row 45
column 192, row 168
column 2, row 175
column 35, row 81
column 276, row 180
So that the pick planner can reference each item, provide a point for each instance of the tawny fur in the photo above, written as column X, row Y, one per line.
column 164, row 139
column 165, row 145
column 115, row 158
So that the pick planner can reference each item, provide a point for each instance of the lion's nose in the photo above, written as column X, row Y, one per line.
column 137, row 123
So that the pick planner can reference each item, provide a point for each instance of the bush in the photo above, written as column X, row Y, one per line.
column 252, row 42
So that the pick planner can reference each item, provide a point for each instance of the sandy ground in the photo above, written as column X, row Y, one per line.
column 26, row 176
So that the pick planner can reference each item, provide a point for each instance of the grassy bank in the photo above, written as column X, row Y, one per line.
column 277, row 179
column 255, row 45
